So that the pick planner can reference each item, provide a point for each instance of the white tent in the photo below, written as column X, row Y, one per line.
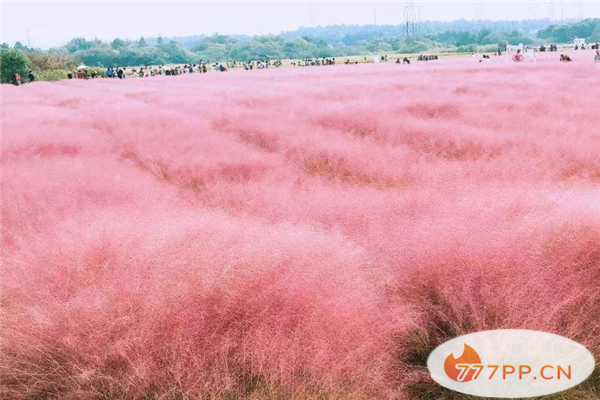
column 81, row 67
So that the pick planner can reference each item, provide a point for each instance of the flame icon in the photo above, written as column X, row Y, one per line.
column 469, row 356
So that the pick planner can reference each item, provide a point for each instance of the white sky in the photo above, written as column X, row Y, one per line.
column 55, row 23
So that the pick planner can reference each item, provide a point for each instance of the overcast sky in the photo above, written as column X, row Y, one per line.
column 55, row 23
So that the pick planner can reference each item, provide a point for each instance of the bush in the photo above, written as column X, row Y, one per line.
column 488, row 48
column 58, row 74
column 470, row 48
column 12, row 62
column 100, row 71
column 49, row 61
column 51, row 75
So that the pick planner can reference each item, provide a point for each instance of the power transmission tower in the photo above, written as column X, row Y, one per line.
column 480, row 13
column 580, row 10
column 562, row 9
column 418, row 20
column 478, row 10
column 310, row 15
column 375, row 12
column 551, row 10
column 410, row 18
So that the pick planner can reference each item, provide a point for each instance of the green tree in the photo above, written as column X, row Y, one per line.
column 80, row 44
column 118, row 43
column 12, row 62
column 160, row 40
column 595, row 36
column 142, row 42
column 19, row 46
column 5, row 46
column 588, row 28
column 465, row 38
column 482, row 34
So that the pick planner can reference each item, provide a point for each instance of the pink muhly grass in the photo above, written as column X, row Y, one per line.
column 293, row 234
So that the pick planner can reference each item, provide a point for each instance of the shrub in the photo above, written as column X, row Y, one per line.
column 38, row 61
column 51, row 75
column 12, row 62
column 469, row 48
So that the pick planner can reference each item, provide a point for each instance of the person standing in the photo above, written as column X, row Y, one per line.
column 30, row 76
column 518, row 57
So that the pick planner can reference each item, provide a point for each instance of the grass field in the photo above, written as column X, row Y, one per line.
column 301, row 233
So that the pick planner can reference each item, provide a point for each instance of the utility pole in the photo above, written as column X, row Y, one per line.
column 28, row 39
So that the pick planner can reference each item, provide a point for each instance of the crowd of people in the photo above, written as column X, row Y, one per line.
column 203, row 67
column 144, row 72
column 519, row 57
column 254, row 64
column 582, row 46
column 551, row 48
column 423, row 57
column 310, row 62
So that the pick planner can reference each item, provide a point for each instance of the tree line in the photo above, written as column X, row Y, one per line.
column 318, row 42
